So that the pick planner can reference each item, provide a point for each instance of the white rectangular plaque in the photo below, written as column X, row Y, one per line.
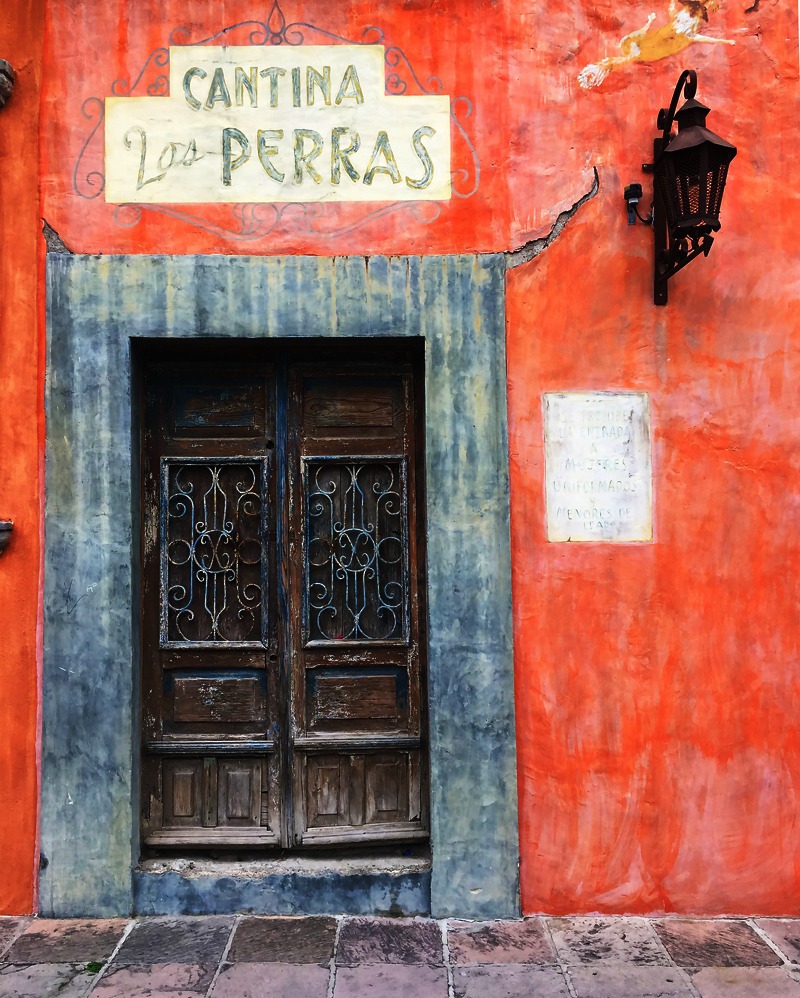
column 597, row 466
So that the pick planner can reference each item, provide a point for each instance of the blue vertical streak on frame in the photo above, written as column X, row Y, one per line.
column 87, row 738
column 473, row 769
column 95, row 307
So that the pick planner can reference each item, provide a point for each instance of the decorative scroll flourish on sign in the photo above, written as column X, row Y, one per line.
column 212, row 557
column 356, row 585
column 252, row 221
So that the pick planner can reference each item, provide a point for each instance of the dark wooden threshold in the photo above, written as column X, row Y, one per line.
column 209, row 748
column 212, row 837
column 352, row 834
column 356, row 744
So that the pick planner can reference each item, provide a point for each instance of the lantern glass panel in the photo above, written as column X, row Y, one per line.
column 692, row 182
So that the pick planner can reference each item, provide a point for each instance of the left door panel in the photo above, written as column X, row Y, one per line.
column 211, row 773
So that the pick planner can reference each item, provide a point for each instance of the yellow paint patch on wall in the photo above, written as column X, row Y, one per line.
column 681, row 28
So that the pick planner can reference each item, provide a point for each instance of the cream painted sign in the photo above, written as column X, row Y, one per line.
column 597, row 466
column 268, row 123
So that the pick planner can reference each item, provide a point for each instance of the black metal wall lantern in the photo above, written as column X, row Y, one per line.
column 689, row 173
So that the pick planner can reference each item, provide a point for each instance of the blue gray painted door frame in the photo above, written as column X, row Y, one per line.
column 96, row 306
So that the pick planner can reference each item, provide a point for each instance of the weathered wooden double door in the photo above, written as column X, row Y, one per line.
column 282, row 653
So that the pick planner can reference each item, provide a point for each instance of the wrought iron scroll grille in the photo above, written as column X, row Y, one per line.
column 356, row 550
column 213, row 552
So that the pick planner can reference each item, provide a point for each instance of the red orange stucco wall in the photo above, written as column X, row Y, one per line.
column 658, row 685
column 20, row 433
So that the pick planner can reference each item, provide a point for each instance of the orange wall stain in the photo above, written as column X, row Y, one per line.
column 21, row 426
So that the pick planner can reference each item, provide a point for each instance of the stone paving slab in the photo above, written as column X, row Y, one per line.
column 45, row 980
column 371, row 941
column 785, row 933
column 390, row 982
column 176, row 940
column 70, row 940
column 745, row 982
column 302, row 957
column 508, row 980
column 590, row 940
column 275, row 980
column 499, row 942
column 10, row 928
column 626, row 981
column 283, row 940
column 175, row 980
column 714, row 943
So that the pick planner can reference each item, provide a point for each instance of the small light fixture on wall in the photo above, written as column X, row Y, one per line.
column 6, row 526
column 689, row 173
column 6, row 82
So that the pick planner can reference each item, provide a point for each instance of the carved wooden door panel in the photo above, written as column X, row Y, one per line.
column 211, row 771
column 283, row 680
column 356, row 737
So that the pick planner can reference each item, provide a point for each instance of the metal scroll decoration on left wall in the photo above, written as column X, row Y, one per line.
column 7, row 80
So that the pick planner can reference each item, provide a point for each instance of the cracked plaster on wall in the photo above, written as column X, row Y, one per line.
column 533, row 247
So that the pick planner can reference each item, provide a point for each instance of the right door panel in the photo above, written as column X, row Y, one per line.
column 353, row 563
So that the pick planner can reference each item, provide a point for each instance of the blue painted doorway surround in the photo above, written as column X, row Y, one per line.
column 97, row 307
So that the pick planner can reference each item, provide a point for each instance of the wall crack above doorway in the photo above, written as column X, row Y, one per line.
column 531, row 249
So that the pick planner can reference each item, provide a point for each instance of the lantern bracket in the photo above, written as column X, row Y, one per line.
column 666, row 117
column 687, row 80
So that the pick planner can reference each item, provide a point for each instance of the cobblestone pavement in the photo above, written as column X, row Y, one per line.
column 344, row 957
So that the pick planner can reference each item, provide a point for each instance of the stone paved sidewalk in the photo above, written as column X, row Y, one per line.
column 326, row 957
